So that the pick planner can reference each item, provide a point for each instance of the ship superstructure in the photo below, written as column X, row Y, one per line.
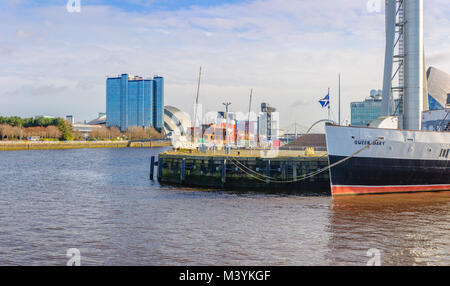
column 403, row 159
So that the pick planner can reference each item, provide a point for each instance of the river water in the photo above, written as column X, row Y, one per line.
column 101, row 202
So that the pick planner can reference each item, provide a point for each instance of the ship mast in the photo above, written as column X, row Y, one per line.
column 248, row 119
column 405, row 52
column 414, row 65
column 196, row 105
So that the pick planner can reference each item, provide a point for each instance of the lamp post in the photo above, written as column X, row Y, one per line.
column 226, row 127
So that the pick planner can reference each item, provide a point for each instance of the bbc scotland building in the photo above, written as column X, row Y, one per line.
column 438, row 85
column 364, row 112
column 135, row 101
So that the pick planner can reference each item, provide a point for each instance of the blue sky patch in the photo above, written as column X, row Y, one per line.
column 133, row 5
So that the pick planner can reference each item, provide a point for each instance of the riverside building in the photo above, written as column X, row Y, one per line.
column 438, row 86
column 364, row 112
column 134, row 101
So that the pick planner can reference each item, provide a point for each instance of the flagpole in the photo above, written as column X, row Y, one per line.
column 329, row 103
column 339, row 119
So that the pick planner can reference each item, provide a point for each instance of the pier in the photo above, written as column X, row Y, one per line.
column 247, row 170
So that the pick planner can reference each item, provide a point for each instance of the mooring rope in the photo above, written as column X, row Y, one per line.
column 269, row 176
column 269, row 179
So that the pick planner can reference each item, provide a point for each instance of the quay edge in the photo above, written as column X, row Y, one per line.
column 222, row 172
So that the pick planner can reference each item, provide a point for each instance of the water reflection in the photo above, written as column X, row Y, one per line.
column 408, row 229
column 103, row 203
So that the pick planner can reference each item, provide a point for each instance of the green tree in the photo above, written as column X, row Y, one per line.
column 15, row 121
column 65, row 129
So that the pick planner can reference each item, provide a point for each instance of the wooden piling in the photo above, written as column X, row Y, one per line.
column 268, row 172
column 294, row 171
column 224, row 172
column 183, row 170
column 160, row 167
column 283, row 167
column 152, row 167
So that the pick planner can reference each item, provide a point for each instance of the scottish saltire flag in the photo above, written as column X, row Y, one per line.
column 325, row 101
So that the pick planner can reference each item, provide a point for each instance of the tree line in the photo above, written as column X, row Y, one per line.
column 132, row 133
column 16, row 121
column 15, row 127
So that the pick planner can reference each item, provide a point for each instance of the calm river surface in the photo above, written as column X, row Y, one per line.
column 102, row 202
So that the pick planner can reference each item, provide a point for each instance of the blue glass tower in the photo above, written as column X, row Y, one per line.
column 158, row 103
column 123, row 102
column 129, row 102
column 113, row 101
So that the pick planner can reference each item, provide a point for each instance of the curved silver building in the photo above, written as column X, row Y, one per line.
column 176, row 121
column 438, row 88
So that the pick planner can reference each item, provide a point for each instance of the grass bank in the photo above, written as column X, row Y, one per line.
column 29, row 145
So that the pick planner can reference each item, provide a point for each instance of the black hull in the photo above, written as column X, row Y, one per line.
column 389, row 172
column 383, row 175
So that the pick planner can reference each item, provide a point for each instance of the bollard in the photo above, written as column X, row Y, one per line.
column 267, row 172
column 294, row 171
column 152, row 167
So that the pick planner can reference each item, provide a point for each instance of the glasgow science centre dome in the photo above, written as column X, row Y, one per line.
column 438, row 88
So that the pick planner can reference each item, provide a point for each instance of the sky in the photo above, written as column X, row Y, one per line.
column 289, row 52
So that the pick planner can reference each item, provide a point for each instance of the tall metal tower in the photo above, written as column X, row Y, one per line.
column 404, row 62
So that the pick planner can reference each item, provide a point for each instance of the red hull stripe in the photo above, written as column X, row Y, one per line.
column 361, row 190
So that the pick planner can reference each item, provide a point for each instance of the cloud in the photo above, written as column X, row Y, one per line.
column 300, row 102
column 288, row 51
column 21, row 34
column 39, row 90
column 438, row 58
column 13, row 2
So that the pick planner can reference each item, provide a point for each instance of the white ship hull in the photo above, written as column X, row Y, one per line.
column 399, row 161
